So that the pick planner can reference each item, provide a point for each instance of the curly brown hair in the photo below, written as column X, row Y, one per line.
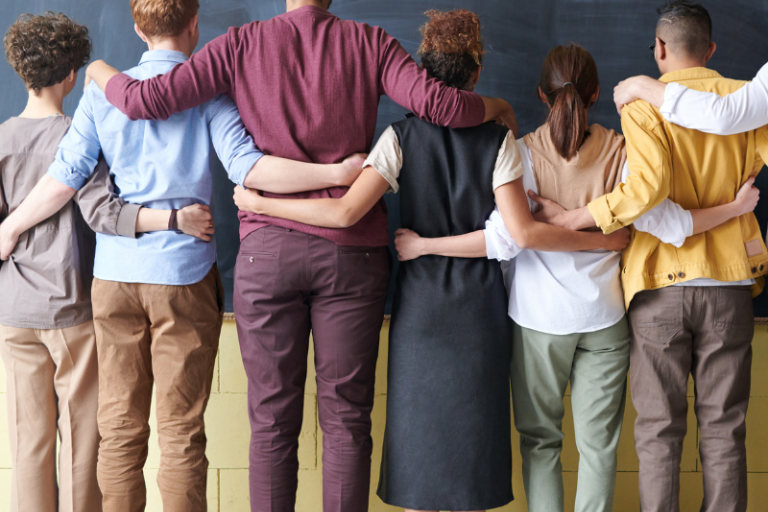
column 43, row 50
column 452, row 49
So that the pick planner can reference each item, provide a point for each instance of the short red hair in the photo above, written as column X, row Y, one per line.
column 163, row 18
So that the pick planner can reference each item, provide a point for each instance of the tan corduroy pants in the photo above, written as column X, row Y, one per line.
column 167, row 336
column 52, row 388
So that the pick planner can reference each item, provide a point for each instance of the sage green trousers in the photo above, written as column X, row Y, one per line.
column 596, row 365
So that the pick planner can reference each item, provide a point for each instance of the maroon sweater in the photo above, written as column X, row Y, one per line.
column 307, row 85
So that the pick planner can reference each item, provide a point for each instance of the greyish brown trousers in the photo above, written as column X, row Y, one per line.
column 167, row 336
column 706, row 332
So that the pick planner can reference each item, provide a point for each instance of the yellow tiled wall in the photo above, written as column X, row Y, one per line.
column 228, row 433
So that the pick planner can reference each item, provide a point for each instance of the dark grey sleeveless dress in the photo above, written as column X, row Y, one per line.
column 447, row 442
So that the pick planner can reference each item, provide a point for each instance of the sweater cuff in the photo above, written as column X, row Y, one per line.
column 601, row 212
column 126, row 220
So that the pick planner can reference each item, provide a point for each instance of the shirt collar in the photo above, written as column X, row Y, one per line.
column 689, row 74
column 310, row 9
column 163, row 56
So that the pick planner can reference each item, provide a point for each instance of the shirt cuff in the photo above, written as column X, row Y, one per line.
column 394, row 186
column 242, row 166
column 672, row 94
column 66, row 176
column 601, row 212
column 126, row 220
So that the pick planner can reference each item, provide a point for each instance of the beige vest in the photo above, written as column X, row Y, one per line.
column 593, row 172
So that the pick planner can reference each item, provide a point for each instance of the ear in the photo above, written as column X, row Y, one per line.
column 192, row 26
column 711, row 52
column 661, row 49
column 72, row 76
column 542, row 96
column 139, row 32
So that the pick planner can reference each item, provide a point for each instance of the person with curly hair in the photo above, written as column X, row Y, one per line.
column 157, row 299
column 308, row 86
column 447, row 442
column 47, row 338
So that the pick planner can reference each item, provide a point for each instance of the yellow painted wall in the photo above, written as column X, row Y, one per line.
column 228, row 434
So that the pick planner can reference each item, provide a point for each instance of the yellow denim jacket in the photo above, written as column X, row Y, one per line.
column 695, row 170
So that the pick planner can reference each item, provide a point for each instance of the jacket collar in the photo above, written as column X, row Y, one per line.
column 689, row 74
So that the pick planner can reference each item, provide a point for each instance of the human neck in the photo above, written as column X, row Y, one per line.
column 678, row 64
column 47, row 103
column 296, row 4
column 170, row 44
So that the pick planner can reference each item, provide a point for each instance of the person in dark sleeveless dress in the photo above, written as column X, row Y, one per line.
column 447, row 442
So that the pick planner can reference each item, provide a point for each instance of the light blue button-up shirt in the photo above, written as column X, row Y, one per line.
column 157, row 164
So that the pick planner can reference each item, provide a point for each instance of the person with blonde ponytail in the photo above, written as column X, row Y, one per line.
column 568, row 307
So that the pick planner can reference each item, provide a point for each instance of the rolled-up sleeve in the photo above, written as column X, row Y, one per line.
column 101, row 207
column 79, row 150
column 231, row 140
column 509, row 162
column 386, row 158
column 499, row 244
column 650, row 172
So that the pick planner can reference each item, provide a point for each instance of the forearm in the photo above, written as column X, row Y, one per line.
column 48, row 197
column 649, row 89
column 576, row 220
column 471, row 245
column 101, row 73
column 152, row 220
column 545, row 237
column 284, row 176
column 324, row 212
column 705, row 219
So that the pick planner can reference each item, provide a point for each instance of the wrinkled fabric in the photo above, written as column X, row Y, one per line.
column 47, row 281
column 705, row 332
column 286, row 284
column 166, row 336
column 52, row 394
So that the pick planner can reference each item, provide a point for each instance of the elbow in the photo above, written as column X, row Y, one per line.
column 345, row 218
column 524, row 240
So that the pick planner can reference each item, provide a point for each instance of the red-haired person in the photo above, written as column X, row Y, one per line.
column 47, row 338
column 308, row 86
column 157, row 299
column 568, row 307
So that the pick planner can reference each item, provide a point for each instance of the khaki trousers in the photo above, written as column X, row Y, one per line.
column 167, row 336
column 52, row 387
column 707, row 333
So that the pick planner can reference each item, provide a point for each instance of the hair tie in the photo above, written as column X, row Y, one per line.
column 566, row 83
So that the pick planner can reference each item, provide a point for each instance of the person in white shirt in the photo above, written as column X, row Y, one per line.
column 742, row 111
column 568, row 307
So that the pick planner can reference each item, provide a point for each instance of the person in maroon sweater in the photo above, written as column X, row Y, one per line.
column 307, row 85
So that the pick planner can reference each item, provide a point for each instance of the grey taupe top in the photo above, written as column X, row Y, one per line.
column 46, row 284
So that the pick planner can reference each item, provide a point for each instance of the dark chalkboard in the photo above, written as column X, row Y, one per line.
column 518, row 34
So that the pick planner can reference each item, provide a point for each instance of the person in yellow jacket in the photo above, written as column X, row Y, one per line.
column 690, row 308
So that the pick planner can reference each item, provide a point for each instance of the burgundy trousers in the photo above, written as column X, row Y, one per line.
column 289, row 283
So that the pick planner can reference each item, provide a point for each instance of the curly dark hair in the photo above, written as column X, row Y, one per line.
column 43, row 50
column 452, row 49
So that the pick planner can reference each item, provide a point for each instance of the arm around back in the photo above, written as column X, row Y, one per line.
column 204, row 76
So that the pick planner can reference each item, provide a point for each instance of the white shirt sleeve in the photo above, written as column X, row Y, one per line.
column 742, row 111
column 499, row 244
column 387, row 158
column 669, row 222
